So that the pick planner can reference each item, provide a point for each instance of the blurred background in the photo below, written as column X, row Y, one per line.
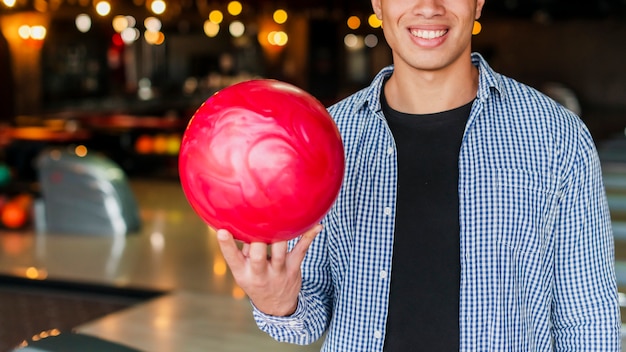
column 114, row 83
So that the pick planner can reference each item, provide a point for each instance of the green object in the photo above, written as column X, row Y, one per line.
column 5, row 175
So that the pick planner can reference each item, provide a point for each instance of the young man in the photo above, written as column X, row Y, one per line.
column 472, row 216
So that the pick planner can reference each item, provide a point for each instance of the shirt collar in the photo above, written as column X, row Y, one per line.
column 488, row 81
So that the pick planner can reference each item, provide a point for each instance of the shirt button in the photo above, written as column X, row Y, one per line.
column 387, row 211
column 378, row 334
column 390, row 150
column 383, row 274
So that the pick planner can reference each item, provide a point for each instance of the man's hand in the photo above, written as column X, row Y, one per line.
column 273, row 281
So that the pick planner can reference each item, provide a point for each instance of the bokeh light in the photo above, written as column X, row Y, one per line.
column 103, row 8
column 234, row 8
column 216, row 16
column 371, row 40
column 158, row 6
column 211, row 29
column 152, row 24
column 374, row 22
column 119, row 23
column 129, row 35
column 236, row 29
column 38, row 32
column 83, row 22
column 280, row 16
column 24, row 31
column 353, row 22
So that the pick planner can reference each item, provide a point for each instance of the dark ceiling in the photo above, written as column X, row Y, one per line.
column 493, row 8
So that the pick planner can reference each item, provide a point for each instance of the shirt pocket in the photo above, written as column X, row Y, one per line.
column 525, row 206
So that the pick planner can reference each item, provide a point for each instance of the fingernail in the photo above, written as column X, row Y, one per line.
column 222, row 235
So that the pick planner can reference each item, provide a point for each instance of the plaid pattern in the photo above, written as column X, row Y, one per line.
column 536, row 243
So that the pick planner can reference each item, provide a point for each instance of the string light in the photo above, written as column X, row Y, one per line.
column 234, row 8
column 158, row 6
column 216, row 16
column 374, row 21
column 103, row 8
column 211, row 29
column 83, row 22
column 353, row 22
column 280, row 16
column 236, row 29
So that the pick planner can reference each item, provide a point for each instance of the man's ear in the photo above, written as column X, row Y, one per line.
column 377, row 7
column 479, row 8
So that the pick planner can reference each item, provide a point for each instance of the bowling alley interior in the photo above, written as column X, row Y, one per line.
column 100, row 249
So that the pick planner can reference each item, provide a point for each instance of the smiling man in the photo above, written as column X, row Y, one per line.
column 472, row 216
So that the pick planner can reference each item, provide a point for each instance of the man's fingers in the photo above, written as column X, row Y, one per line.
column 230, row 251
column 299, row 250
column 257, row 257
column 279, row 253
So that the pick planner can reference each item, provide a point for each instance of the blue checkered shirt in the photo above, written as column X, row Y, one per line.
column 537, row 248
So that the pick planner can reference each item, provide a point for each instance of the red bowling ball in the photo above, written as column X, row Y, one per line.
column 262, row 159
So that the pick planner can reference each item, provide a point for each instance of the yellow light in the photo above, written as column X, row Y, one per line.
column 119, row 23
column 38, row 32
column 211, row 28
column 238, row 293
column 278, row 38
column 154, row 38
column 216, row 16
column 32, row 273
column 80, row 150
column 280, row 16
column 281, row 38
column 354, row 22
column 219, row 267
column 9, row 3
column 234, row 8
column 152, row 24
column 103, row 8
column 24, row 31
column 270, row 37
column 374, row 22
column 158, row 6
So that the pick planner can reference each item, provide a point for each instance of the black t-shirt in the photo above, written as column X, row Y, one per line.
column 425, row 276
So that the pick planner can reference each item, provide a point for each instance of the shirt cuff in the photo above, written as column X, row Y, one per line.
column 294, row 322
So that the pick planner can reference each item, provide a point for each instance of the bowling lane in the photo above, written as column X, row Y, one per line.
column 174, row 252
column 174, row 249
column 188, row 321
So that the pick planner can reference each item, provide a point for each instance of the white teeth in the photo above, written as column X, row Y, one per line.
column 425, row 34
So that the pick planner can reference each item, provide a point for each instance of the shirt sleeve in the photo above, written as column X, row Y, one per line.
column 311, row 318
column 586, row 314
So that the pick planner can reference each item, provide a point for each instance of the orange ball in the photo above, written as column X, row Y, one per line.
column 14, row 216
column 16, row 212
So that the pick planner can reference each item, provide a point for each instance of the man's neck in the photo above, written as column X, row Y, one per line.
column 423, row 92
